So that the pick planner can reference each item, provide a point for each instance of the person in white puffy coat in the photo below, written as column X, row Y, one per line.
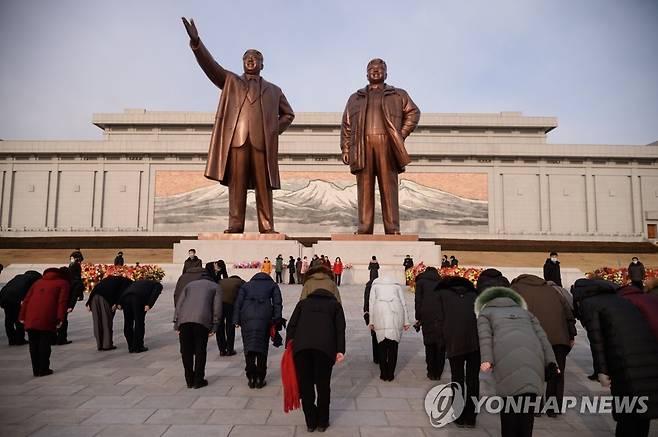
column 388, row 318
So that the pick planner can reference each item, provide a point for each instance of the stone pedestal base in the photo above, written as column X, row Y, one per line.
column 244, row 236
column 233, row 248
column 374, row 237
column 360, row 251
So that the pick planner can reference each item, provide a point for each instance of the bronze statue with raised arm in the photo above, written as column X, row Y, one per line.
column 244, row 145
column 376, row 121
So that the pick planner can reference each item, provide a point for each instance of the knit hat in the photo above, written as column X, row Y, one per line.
column 491, row 278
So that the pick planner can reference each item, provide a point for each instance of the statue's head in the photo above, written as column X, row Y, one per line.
column 376, row 71
column 252, row 61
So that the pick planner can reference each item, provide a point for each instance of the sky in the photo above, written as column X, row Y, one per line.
column 591, row 63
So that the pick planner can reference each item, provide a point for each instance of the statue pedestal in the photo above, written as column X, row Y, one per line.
column 233, row 248
column 390, row 251
column 250, row 236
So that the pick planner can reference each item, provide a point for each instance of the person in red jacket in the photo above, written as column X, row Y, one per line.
column 338, row 270
column 645, row 302
column 43, row 310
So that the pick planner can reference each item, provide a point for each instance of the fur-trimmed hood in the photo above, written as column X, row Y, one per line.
column 503, row 296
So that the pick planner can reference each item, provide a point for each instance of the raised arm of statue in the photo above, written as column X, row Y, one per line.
column 213, row 70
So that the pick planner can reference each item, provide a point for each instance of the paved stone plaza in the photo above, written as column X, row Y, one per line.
column 119, row 394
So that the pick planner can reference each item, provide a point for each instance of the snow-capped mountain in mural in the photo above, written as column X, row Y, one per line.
column 320, row 203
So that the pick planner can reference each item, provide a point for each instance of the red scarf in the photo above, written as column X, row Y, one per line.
column 289, row 380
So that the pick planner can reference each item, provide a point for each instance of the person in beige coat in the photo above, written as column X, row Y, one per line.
column 319, row 277
column 388, row 318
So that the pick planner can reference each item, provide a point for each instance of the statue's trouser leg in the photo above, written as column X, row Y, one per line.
column 259, row 174
column 387, row 179
column 365, row 187
column 238, row 165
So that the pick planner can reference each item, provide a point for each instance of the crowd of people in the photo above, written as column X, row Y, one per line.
column 521, row 331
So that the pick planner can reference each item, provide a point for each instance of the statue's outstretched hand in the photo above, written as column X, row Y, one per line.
column 190, row 27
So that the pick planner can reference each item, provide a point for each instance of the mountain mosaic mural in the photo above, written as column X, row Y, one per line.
column 324, row 204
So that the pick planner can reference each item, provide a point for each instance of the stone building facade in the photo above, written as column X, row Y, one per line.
column 480, row 176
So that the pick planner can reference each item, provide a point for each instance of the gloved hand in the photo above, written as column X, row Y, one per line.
column 366, row 317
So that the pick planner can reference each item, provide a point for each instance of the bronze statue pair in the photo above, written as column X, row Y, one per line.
column 252, row 113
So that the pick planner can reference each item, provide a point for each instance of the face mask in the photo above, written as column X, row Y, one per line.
column 554, row 259
column 192, row 256
column 635, row 262
column 72, row 260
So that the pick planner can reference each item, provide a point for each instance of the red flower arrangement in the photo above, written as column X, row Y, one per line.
column 470, row 273
column 92, row 274
column 620, row 276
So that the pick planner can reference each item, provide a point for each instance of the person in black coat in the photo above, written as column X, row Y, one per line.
column 291, row 270
column 429, row 316
column 445, row 262
column 118, row 260
column 366, row 318
column 192, row 261
column 317, row 326
column 373, row 267
column 454, row 262
column 461, row 340
column 211, row 270
column 491, row 278
column 102, row 303
column 11, row 296
column 636, row 272
column 624, row 351
column 136, row 301
column 257, row 307
column 222, row 272
column 552, row 269
column 584, row 309
column 76, row 292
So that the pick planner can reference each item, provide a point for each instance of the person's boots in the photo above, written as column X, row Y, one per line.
column 252, row 382
column 260, row 382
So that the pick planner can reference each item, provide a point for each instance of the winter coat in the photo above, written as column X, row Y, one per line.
column 146, row 291
column 636, row 272
column 278, row 267
column 16, row 289
column 460, row 331
column 549, row 306
column 513, row 341
column 76, row 270
column 552, row 271
column 623, row 347
column 266, row 267
column 77, row 292
column 428, row 309
column 299, row 266
column 45, row 304
column 230, row 287
column 373, row 266
column 319, row 280
column 304, row 268
column 256, row 308
column 291, row 266
column 199, row 302
column 338, row 268
column 388, row 310
column 189, row 263
column 408, row 263
column 110, row 289
column 645, row 302
column 318, row 323
column 454, row 262
column 193, row 274
column 118, row 260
